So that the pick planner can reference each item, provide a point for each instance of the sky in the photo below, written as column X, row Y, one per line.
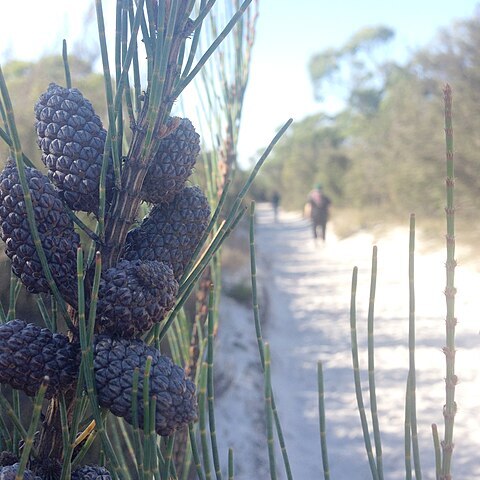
column 289, row 32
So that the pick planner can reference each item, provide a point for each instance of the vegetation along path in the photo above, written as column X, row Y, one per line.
column 308, row 295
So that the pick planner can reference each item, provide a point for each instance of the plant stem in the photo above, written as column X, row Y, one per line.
column 356, row 376
column 411, row 384
column 371, row 367
column 450, row 291
column 321, row 416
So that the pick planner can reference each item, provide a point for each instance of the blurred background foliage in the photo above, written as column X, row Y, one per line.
column 383, row 151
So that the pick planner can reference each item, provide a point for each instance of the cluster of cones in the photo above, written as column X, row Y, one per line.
column 134, row 295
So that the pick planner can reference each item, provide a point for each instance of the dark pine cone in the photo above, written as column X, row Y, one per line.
column 133, row 296
column 57, row 234
column 114, row 364
column 171, row 231
column 91, row 472
column 10, row 472
column 7, row 458
column 28, row 353
column 172, row 164
column 72, row 139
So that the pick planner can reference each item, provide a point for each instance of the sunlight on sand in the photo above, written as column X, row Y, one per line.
column 308, row 289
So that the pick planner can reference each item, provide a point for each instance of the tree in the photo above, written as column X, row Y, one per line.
column 355, row 68
column 311, row 152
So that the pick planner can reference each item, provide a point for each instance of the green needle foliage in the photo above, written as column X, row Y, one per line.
column 160, row 47
column 168, row 35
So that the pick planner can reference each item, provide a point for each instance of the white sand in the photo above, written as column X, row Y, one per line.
column 306, row 304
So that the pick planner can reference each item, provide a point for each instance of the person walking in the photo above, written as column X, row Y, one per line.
column 275, row 205
column 319, row 205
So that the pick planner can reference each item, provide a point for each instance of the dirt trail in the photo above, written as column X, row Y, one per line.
column 308, row 291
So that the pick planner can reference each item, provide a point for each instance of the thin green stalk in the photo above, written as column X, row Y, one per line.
column 203, row 13
column 118, row 41
column 174, row 345
column 13, row 295
column 168, row 456
column 408, row 435
column 92, row 313
column 136, row 429
column 6, row 138
column 210, row 387
column 5, row 434
column 356, row 375
column 151, row 20
column 136, row 68
column 202, row 419
column 54, row 310
column 450, row 291
column 65, row 430
column 156, row 85
column 153, row 436
column 208, row 253
column 109, row 94
column 124, row 68
column 44, row 313
column 18, row 430
column 196, row 38
column 125, row 437
column 70, row 435
column 124, row 39
column 3, row 317
column 259, row 164
column 187, row 463
column 371, row 367
column 181, row 86
column 269, row 413
column 17, row 151
column 86, row 367
column 146, row 420
column 187, row 288
column 195, row 454
column 18, row 414
column 438, row 452
column 84, row 450
column 118, row 442
column 28, row 443
column 209, row 229
column 230, row 464
column 66, row 66
column 260, row 342
column 411, row 390
column 92, row 235
column 253, row 273
column 321, row 416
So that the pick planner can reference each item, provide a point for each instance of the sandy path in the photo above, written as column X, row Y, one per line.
column 308, row 303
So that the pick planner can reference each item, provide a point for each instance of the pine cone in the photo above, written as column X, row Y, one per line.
column 171, row 232
column 114, row 364
column 72, row 139
column 7, row 458
column 133, row 296
column 10, row 472
column 172, row 164
column 55, row 228
column 91, row 472
column 28, row 353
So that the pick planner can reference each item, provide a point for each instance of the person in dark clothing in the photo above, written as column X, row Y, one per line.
column 275, row 205
column 319, row 210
